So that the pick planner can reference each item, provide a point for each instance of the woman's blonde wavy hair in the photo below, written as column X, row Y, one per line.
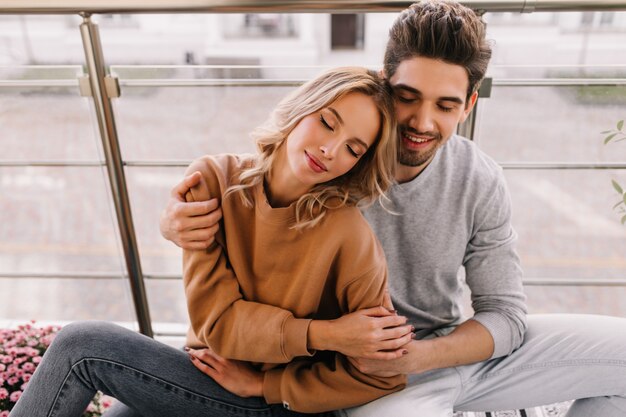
column 365, row 182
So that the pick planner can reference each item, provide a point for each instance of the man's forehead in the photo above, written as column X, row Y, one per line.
column 431, row 77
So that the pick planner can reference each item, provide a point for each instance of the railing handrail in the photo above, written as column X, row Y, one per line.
column 287, row 6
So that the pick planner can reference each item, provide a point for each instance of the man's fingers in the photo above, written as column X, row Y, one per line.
column 187, row 183
column 191, row 181
column 388, row 355
column 196, row 208
column 393, row 344
column 200, row 245
column 398, row 332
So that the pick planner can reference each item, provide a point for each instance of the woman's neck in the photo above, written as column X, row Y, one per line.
column 281, row 188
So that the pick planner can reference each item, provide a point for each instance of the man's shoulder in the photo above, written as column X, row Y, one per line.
column 469, row 161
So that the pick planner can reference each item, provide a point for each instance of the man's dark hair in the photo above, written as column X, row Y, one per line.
column 443, row 30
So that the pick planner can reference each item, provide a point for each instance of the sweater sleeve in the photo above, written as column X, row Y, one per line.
column 493, row 272
column 331, row 383
column 220, row 317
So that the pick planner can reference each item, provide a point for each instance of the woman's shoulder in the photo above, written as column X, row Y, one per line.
column 218, row 173
column 354, row 234
column 222, row 164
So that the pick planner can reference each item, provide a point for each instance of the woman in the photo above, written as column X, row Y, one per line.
column 293, row 252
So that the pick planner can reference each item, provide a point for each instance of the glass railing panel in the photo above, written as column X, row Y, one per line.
column 57, row 220
column 43, row 116
column 560, row 124
column 566, row 225
column 168, row 308
column 184, row 123
column 53, row 299
column 40, row 39
column 149, row 189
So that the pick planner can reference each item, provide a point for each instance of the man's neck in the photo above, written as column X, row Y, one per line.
column 406, row 173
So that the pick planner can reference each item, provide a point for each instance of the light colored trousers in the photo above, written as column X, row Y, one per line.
column 563, row 357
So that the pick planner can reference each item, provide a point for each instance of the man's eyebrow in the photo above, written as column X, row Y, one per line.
column 415, row 91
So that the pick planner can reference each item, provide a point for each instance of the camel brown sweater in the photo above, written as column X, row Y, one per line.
column 253, row 293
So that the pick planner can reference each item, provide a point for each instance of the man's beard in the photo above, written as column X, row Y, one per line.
column 411, row 158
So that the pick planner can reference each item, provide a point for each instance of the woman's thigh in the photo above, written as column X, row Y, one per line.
column 151, row 378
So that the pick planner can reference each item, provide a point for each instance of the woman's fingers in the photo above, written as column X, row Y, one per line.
column 390, row 321
column 202, row 366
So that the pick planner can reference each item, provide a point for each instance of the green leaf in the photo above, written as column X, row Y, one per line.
column 608, row 138
column 619, row 203
column 606, row 132
column 623, row 219
column 620, row 125
column 617, row 187
column 619, row 140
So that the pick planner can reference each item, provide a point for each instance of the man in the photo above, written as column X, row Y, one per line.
column 454, row 211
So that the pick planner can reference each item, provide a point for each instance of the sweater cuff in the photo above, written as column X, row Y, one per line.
column 500, row 330
column 295, row 337
column 271, row 385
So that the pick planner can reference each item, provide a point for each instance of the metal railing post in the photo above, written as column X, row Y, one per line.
column 108, row 133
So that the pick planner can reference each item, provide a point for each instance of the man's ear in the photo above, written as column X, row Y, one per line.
column 381, row 73
column 471, row 102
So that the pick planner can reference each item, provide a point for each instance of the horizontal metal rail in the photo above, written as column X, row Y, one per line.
column 286, row 6
column 51, row 164
column 209, row 82
column 185, row 163
column 562, row 165
column 541, row 281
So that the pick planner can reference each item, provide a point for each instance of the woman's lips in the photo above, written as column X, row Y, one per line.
column 315, row 163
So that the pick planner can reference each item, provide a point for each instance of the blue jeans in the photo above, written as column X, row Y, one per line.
column 151, row 379
column 563, row 357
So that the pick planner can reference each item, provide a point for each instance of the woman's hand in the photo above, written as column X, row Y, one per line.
column 373, row 333
column 235, row 376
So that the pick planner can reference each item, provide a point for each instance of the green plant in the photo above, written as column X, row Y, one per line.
column 617, row 135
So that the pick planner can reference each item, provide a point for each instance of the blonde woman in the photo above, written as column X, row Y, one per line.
column 292, row 256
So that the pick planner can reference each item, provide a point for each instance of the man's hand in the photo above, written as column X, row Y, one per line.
column 373, row 333
column 235, row 376
column 190, row 225
column 404, row 364
column 469, row 343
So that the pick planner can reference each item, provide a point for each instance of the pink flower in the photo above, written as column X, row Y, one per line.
column 13, row 380
column 15, row 396
column 36, row 359
column 26, row 377
column 3, row 367
column 28, row 367
column 4, row 413
column 3, row 393
column 106, row 403
column 7, row 359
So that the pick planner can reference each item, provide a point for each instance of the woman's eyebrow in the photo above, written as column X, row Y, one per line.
column 337, row 115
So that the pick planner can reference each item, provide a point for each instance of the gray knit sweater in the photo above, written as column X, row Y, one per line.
column 455, row 214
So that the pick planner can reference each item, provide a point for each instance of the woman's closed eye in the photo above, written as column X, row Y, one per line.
column 353, row 152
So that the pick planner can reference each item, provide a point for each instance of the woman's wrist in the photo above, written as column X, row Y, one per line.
column 319, row 336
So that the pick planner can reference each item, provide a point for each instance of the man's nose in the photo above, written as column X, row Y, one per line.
column 422, row 119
